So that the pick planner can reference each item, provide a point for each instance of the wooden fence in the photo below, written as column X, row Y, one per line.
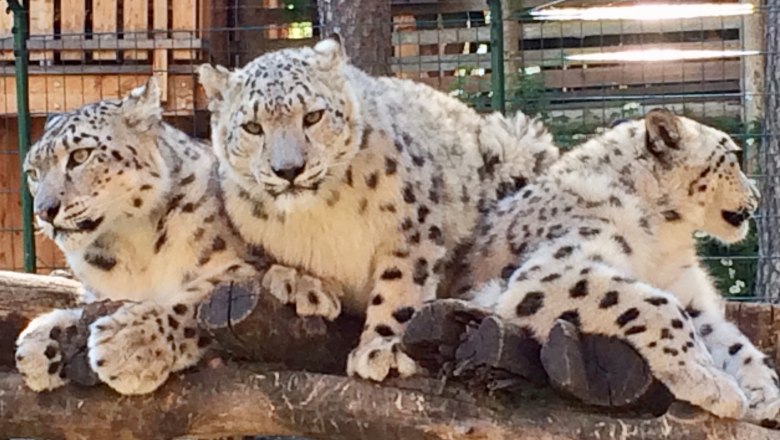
column 79, row 56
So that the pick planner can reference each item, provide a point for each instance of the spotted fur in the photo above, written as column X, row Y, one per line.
column 606, row 236
column 133, row 204
column 371, row 182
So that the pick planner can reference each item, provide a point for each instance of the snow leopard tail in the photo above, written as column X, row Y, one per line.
column 523, row 146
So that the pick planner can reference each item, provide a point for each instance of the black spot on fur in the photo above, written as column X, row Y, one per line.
column 531, row 303
column 580, row 289
column 403, row 314
column 657, row 301
column 666, row 333
column 627, row 316
column 435, row 235
column 635, row 330
column 623, row 244
column 693, row 313
column 705, row 330
column 102, row 262
column 550, row 277
column 180, row 309
column 377, row 300
column 507, row 271
column 671, row 215
column 408, row 193
column 610, row 299
column 563, row 252
column 391, row 166
column 420, row 271
column 676, row 323
column 384, row 331
column 734, row 349
column 392, row 274
column 372, row 180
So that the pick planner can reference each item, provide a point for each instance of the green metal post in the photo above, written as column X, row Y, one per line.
column 497, row 100
column 23, row 117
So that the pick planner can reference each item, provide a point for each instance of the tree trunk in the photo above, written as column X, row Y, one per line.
column 365, row 27
column 768, row 276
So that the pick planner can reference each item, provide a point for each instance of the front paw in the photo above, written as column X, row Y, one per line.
column 311, row 296
column 38, row 354
column 135, row 349
column 376, row 358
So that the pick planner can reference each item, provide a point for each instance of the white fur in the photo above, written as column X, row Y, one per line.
column 605, row 240
column 351, row 228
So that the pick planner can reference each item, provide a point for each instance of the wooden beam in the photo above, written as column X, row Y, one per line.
column 42, row 24
column 136, row 27
column 104, row 24
column 6, row 37
column 58, row 92
column 72, row 21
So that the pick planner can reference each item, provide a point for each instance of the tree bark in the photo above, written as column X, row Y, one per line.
column 232, row 400
column 365, row 27
column 768, row 276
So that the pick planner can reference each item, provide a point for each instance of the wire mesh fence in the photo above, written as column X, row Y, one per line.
column 578, row 74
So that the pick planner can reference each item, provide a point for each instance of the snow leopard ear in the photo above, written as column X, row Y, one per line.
column 141, row 107
column 663, row 132
column 330, row 52
column 215, row 81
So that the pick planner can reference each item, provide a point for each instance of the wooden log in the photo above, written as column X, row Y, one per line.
column 250, row 324
column 24, row 296
column 222, row 400
column 216, row 399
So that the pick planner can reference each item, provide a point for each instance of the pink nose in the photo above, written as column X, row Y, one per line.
column 49, row 212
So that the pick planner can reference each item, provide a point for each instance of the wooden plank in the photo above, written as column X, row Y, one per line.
column 160, row 56
column 642, row 73
column 135, row 14
column 82, row 45
column 72, row 21
column 42, row 24
column 544, row 58
column 104, row 25
column 442, row 7
column 559, row 30
column 6, row 24
column 50, row 93
column 184, row 25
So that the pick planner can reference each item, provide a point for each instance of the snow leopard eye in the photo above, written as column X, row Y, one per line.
column 78, row 157
column 253, row 128
column 312, row 118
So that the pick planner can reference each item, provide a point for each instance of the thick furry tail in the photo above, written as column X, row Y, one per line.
column 523, row 145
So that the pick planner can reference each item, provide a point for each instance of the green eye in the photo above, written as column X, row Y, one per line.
column 78, row 157
column 312, row 118
column 253, row 128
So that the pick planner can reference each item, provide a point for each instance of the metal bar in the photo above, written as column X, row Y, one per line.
column 497, row 100
column 23, row 120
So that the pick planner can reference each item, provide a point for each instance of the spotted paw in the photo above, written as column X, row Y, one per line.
column 377, row 358
column 38, row 355
column 311, row 296
column 135, row 349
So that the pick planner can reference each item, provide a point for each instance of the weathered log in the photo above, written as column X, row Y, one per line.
column 250, row 324
column 233, row 400
column 24, row 296
column 214, row 399
column 462, row 341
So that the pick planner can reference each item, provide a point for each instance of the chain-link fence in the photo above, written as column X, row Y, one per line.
column 577, row 67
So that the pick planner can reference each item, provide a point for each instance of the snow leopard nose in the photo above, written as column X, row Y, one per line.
column 289, row 174
column 48, row 211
